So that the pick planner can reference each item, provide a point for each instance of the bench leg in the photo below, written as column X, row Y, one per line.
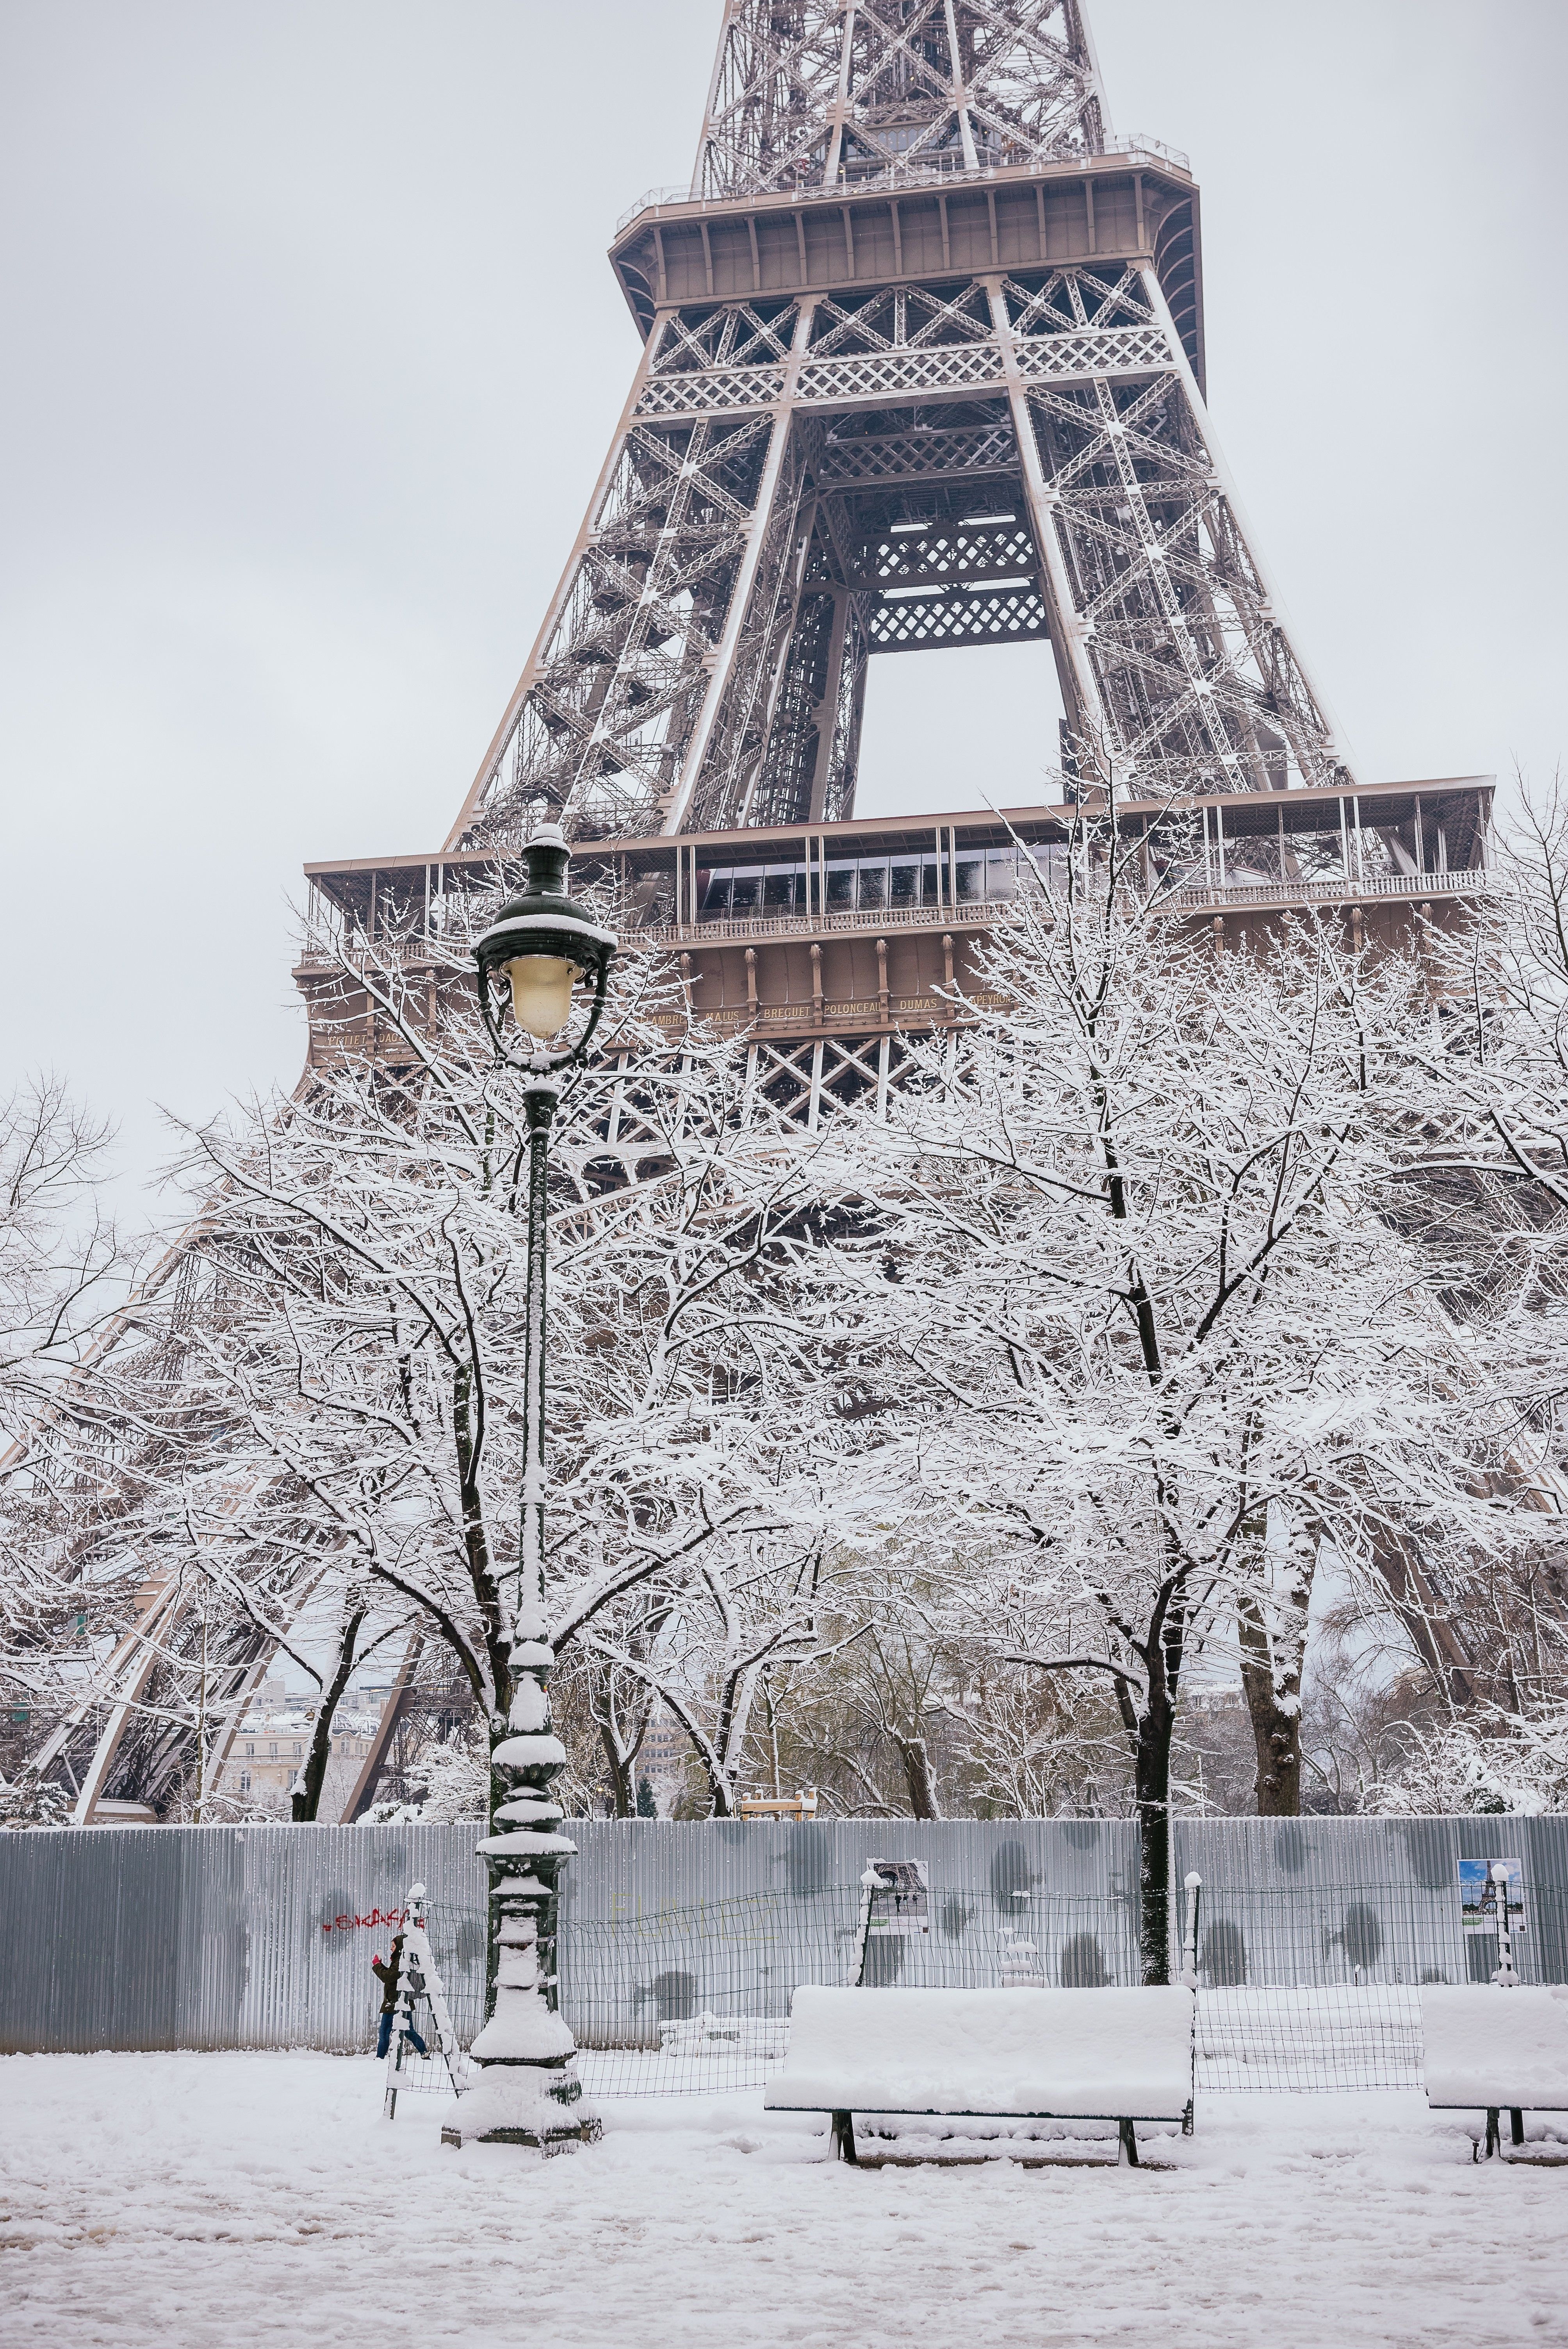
column 1129, row 2143
column 1516, row 2126
column 844, row 2138
column 1493, row 2136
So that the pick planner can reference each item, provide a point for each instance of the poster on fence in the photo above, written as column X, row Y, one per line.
column 905, row 1907
column 1479, row 1891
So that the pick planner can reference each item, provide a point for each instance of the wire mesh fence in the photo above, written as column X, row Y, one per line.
column 1272, row 2040
column 1314, row 1988
column 1318, row 1987
column 697, row 2000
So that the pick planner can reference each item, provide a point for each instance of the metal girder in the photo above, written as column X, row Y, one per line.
column 818, row 93
column 142, row 1729
column 703, row 663
column 776, row 458
column 1191, row 677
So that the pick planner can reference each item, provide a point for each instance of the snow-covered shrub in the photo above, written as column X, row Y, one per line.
column 34, row 1803
column 1487, row 1764
column 448, row 1780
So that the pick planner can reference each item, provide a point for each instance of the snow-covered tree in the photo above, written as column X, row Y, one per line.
column 1160, row 1339
column 1486, row 1197
column 1483, row 1761
column 747, row 1613
column 59, row 1254
column 62, row 1275
column 342, row 1425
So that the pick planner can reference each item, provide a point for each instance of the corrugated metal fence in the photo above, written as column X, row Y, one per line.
column 262, row 1937
column 213, row 1937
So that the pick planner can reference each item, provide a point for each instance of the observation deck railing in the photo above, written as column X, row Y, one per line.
column 1134, row 147
column 1201, row 895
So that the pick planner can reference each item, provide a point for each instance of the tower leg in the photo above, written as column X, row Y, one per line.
column 725, row 681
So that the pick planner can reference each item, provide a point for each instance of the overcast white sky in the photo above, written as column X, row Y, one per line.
column 313, row 354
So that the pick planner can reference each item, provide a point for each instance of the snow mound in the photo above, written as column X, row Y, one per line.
column 526, row 1752
column 521, row 2029
column 521, row 1843
column 1102, row 2054
column 510, row 2097
column 1489, row 2046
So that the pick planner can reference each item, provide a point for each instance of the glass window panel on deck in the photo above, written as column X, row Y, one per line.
column 1453, row 832
column 1049, row 859
column 778, row 890
column 906, row 883
column 1387, row 849
column 1001, row 873
column 654, row 899
column 1174, row 847
column 969, row 878
column 746, row 897
column 842, row 888
column 713, row 900
column 874, row 883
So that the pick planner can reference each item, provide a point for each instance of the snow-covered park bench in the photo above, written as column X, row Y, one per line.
column 1122, row 2055
column 1496, row 2050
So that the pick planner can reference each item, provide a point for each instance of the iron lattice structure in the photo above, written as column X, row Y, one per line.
column 922, row 366
column 805, row 97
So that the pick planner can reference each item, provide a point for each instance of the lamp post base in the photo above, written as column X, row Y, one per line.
column 564, row 2140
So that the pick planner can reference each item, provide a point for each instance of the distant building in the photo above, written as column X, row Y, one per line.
column 664, row 1748
column 271, row 1742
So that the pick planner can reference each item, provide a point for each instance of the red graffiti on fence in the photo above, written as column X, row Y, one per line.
column 393, row 1919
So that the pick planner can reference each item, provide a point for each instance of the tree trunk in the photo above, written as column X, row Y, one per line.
column 621, row 1766
column 1271, row 1629
column 1156, row 1729
column 305, row 1800
column 1276, row 1724
column 915, row 1756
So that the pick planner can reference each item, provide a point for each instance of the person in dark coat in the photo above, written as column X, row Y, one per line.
column 388, row 1972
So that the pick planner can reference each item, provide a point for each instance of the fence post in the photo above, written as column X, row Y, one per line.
column 1195, row 1888
column 1505, row 1978
column 870, row 1885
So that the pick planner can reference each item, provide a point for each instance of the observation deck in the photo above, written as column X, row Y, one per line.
column 919, row 226
column 861, row 928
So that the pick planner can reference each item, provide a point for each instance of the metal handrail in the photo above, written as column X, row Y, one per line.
column 726, row 926
column 1132, row 147
column 1349, row 892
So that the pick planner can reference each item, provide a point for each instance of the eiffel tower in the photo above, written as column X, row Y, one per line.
column 923, row 366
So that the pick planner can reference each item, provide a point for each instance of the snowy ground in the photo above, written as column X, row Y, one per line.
column 189, row 2200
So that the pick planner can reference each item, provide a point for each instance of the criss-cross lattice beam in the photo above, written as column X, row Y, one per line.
column 656, row 593
column 819, row 93
column 692, row 672
column 1183, row 666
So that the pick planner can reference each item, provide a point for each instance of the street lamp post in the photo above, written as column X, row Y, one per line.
column 539, row 947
